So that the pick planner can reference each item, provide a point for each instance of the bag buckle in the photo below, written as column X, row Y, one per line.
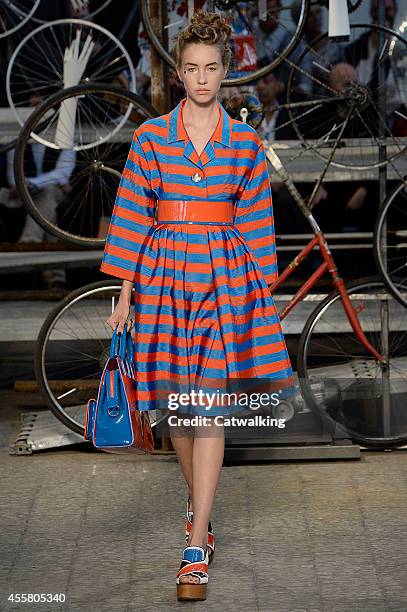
column 113, row 411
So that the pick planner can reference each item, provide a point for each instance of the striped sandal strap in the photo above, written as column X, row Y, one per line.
column 200, row 570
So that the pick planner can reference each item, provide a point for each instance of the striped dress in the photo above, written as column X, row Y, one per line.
column 204, row 315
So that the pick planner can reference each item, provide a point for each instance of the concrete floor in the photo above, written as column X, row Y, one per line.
column 107, row 531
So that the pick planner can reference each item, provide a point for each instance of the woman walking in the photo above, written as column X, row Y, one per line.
column 192, row 231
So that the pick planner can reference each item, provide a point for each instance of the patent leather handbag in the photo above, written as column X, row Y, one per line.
column 113, row 422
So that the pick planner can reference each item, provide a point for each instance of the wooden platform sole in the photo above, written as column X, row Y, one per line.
column 191, row 592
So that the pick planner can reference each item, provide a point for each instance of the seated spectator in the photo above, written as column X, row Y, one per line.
column 48, row 172
column 270, row 90
column 271, row 36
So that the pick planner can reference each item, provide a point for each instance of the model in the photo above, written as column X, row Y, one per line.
column 192, row 231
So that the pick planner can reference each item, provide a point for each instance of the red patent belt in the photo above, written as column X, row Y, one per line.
column 193, row 211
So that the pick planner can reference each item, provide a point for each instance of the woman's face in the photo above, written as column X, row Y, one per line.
column 201, row 71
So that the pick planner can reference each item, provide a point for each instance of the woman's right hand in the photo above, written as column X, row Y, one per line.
column 120, row 316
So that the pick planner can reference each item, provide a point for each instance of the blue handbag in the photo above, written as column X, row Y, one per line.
column 113, row 422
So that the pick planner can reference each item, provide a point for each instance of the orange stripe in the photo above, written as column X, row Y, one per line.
column 117, row 271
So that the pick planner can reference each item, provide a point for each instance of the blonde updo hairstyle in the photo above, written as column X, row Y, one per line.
column 207, row 28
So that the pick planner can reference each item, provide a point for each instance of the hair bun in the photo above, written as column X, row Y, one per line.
column 209, row 27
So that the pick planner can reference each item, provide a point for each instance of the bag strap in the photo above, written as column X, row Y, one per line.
column 129, row 347
column 113, row 343
column 122, row 344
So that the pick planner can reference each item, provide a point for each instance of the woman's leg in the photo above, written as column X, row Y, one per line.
column 207, row 459
column 182, row 439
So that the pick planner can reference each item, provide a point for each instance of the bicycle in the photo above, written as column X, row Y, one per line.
column 335, row 372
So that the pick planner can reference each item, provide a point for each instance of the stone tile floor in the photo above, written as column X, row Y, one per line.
column 107, row 531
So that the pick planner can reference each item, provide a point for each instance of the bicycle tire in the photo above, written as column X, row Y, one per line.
column 24, row 139
column 23, row 21
column 256, row 74
column 41, row 345
column 304, row 373
column 378, row 253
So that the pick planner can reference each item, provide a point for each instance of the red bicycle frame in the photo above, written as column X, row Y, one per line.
column 328, row 265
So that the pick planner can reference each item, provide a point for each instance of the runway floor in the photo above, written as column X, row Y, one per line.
column 107, row 530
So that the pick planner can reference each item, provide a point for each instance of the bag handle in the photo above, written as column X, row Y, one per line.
column 122, row 344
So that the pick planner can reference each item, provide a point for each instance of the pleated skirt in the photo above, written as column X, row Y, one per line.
column 204, row 318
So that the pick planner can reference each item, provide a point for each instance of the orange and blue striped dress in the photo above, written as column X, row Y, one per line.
column 203, row 310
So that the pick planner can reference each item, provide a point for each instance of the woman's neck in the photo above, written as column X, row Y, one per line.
column 200, row 114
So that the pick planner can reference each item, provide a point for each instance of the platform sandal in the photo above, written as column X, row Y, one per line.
column 195, row 563
column 188, row 527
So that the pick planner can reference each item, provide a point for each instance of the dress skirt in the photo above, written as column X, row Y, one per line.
column 204, row 317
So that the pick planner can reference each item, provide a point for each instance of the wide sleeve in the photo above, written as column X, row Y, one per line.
column 254, row 216
column 132, row 217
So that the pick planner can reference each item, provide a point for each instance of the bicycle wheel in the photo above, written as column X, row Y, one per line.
column 369, row 404
column 14, row 14
column 92, row 171
column 36, row 68
column 287, row 33
column 340, row 99
column 390, row 242
column 72, row 349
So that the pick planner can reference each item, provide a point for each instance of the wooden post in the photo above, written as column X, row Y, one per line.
column 160, row 92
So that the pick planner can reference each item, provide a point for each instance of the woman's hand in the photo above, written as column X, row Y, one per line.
column 121, row 312
column 120, row 316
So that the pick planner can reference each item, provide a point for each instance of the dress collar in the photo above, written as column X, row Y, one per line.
column 177, row 130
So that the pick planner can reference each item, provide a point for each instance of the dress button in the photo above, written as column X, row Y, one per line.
column 196, row 177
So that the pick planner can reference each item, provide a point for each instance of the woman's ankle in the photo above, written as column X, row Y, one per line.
column 197, row 542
